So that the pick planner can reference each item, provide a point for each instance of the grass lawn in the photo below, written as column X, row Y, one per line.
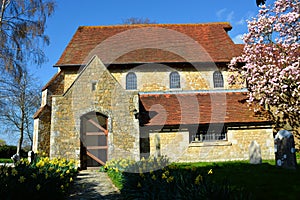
column 265, row 181
column 5, row 160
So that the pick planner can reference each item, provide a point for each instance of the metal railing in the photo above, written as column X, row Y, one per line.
column 209, row 137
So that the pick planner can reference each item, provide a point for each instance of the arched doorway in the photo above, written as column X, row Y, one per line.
column 93, row 140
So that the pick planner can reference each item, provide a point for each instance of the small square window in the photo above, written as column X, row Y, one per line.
column 94, row 84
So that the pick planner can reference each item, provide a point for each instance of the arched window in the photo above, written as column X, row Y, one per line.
column 131, row 81
column 174, row 80
column 218, row 79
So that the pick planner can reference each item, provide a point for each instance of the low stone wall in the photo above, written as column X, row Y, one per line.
column 170, row 144
column 176, row 146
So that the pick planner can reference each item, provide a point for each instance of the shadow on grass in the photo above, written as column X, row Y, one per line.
column 263, row 181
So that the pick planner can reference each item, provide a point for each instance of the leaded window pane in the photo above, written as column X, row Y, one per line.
column 174, row 80
column 218, row 79
column 131, row 83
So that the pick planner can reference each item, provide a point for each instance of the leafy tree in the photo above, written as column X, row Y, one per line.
column 20, row 98
column 271, row 62
column 2, row 142
column 22, row 26
column 135, row 20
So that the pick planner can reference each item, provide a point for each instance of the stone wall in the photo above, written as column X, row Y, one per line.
column 69, row 77
column 170, row 144
column 156, row 78
column 177, row 147
column 56, row 87
column 95, row 90
column 42, row 122
column 41, row 132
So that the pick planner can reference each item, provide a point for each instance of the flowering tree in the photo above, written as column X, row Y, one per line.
column 270, row 62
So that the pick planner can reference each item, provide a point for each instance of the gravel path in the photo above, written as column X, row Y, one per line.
column 92, row 184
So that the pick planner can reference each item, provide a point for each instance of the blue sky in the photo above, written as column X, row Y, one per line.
column 70, row 14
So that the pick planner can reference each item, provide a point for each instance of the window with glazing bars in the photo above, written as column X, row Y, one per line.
column 174, row 80
column 131, row 83
column 218, row 79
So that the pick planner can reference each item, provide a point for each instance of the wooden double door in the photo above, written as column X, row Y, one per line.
column 93, row 140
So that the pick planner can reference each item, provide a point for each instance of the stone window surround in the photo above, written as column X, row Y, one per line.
column 131, row 81
column 199, row 137
column 206, row 144
column 174, row 80
column 218, row 79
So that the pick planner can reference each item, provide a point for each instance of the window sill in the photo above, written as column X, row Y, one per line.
column 206, row 144
column 132, row 90
column 175, row 89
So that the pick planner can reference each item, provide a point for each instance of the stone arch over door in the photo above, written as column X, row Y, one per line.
column 93, row 140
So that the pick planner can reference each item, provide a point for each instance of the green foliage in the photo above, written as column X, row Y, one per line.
column 6, row 160
column 116, row 168
column 2, row 142
column 43, row 179
column 7, row 151
column 116, row 178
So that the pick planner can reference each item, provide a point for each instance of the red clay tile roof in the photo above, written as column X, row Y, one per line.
column 53, row 79
column 38, row 113
column 196, row 108
column 146, row 43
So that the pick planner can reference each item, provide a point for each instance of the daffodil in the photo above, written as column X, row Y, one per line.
column 40, row 164
column 33, row 175
column 198, row 179
column 22, row 179
column 38, row 187
column 139, row 185
column 14, row 172
column 170, row 179
column 142, row 175
column 153, row 177
column 164, row 176
column 210, row 171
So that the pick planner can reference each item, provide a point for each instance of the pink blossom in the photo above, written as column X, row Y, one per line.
column 271, row 56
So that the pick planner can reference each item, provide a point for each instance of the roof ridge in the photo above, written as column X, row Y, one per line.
column 158, row 25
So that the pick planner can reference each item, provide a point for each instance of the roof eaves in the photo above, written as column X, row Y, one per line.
column 51, row 80
column 68, row 65
column 38, row 113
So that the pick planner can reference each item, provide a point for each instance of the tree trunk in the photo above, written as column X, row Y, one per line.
column 23, row 116
column 3, row 6
column 19, row 147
